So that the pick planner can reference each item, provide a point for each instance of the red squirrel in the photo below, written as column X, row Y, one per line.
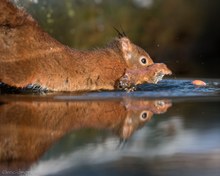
column 29, row 57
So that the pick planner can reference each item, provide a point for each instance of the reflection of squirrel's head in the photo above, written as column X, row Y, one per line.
column 134, row 121
column 138, row 113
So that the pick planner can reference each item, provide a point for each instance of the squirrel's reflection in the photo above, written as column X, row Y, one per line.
column 138, row 113
column 28, row 129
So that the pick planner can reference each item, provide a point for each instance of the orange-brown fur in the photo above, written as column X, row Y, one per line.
column 30, row 56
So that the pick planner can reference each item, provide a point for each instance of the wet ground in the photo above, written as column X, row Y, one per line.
column 167, row 129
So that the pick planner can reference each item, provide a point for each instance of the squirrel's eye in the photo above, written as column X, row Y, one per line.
column 143, row 60
column 144, row 115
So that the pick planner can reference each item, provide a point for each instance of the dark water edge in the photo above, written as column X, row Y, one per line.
column 169, row 88
column 105, row 133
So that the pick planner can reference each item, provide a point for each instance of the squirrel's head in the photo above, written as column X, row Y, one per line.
column 134, row 56
column 140, row 67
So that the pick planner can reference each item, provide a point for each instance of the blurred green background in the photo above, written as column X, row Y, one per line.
column 184, row 34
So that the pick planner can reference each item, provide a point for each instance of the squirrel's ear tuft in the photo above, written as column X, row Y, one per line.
column 120, row 34
column 126, row 48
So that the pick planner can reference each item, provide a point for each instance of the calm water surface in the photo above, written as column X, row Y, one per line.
column 172, row 128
